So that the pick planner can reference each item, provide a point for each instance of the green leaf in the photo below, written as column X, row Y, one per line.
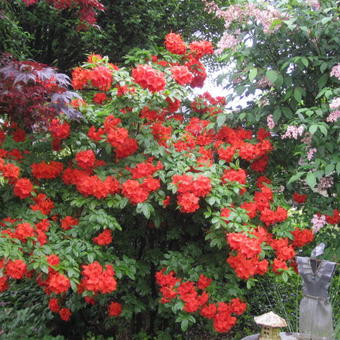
column 329, row 168
column 221, row 120
column 338, row 168
column 298, row 94
column 271, row 75
column 277, row 114
column 313, row 129
column 184, row 325
column 295, row 177
column 311, row 180
column 252, row 74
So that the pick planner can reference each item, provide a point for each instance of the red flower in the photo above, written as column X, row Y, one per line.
column 16, row 269
column 104, row 238
column 23, row 231
column 299, row 198
column 99, row 98
column 3, row 283
column 65, row 314
column 181, row 74
column 23, row 188
column 223, row 322
column 58, row 283
column 114, row 309
column 279, row 265
column 237, row 306
column 188, row 202
column 203, row 282
column 149, row 78
column 174, row 43
column 10, row 171
column 97, row 279
column 43, row 203
column 45, row 170
column 59, row 130
column 53, row 260
column 86, row 159
column 302, row 237
column 201, row 48
column 53, row 305
column 335, row 218
column 68, row 222
column 208, row 311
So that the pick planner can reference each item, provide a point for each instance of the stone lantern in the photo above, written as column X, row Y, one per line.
column 270, row 324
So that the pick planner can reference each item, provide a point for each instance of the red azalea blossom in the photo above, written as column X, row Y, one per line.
column 181, row 74
column 68, row 222
column 65, row 314
column 23, row 188
column 16, row 269
column 45, row 170
column 149, row 78
column 85, row 159
column 104, row 238
column 53, row 305
column 114, row 309
column 174, row 43
column 299, row 198
column 58, row 283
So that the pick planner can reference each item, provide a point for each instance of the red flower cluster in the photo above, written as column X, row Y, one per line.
column 99, row 77
column 299, row 198
column 99, row 98
column 16, row 269
column 302, row 237
column 335, row 218
column 149, row 78
column 89, row 185
column 23, row 188
column 190, row 190
column 59, row 130
column 119, row 138
column 161, row 133
column 181, row 74
column 114, row 309
column 175, row 44
column 9, row 170
column 138, row 192
column 86, row 159
column 196, row 299
column 269, row 217
column 104, row 238
column 68, row 222
column 145, row 169
column 201, row 48
column 45, row 170
column 43, row 204
column 97, row 279
column 57, row 283
column 86, row 8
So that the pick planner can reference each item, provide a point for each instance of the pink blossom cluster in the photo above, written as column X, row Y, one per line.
column 293, row 132
column 325, row 183
column 335, row 72
column 270, row 122
column 333, row 116
column 318, row 222
column 227, row 41
column 310, row 153
column 335, row 103
column 242, row 13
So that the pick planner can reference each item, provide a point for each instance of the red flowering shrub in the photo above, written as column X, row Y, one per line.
column 96, row 207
